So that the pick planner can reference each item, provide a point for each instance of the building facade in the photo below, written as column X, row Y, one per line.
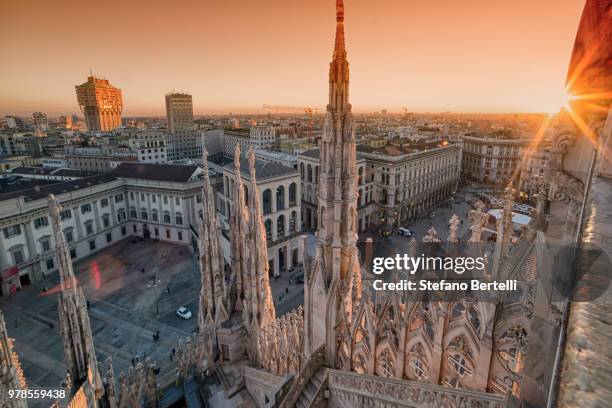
column 40, row 121
column 491, row 158
column 179, row 112
column 279, row 188
column 394, row 184
column 101, row 103
column 145, row 200
column 150, row 146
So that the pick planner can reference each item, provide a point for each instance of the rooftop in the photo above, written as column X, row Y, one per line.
column 156, row 172
column 37, row 189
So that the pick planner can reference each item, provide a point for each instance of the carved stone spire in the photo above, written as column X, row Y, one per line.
column 213, row 296
column 75, row 329
column 504, row 230
column 238, row 237
column 11, row 375
column 453, row 226
column 337, row 204
column 262, row 307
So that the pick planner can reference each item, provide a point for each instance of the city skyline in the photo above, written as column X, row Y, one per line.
column 468, row 57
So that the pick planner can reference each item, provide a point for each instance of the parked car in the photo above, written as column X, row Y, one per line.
column 404, row 231
column 184, row 313
column 432, row 214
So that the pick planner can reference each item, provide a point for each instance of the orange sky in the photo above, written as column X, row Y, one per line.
column 235, row 55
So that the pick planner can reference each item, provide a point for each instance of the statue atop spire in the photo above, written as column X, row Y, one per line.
column 238, row 237
column 75, row 328
column 337, row 259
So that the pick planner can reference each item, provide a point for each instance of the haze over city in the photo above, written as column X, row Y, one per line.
column 468, row 56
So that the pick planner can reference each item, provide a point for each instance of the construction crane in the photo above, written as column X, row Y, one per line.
column 308, row 112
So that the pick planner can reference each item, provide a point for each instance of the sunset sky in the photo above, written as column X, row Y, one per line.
column 235, row 55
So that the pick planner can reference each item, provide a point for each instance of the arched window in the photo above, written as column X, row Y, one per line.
column 154, row 215
column 302, row 171
column 133, row 213
column 280, row 198
column 292, row 222
column 384, row 199
column 280, row 226
column 267, row 202
column 457, row 311
column 309, row 173
column 179, row 218
column 143, row 214
column 292, row 194
column 384, row 366
column 360, row 179
column 268, row 225
column 167, row 219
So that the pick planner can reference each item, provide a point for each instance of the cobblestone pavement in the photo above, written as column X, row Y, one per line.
column 127, row 306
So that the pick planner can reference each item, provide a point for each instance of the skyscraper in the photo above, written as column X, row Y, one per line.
column 179, row 111
column 101, row 103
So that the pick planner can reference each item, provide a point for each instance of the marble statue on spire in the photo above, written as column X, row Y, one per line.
column 75, row 329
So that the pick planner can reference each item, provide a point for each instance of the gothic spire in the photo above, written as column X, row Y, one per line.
column 238, row 235
column 75, row 328
column 261, row 293
column 11, row 375
column 337, row 209
column 339, row 67
column 213, row 300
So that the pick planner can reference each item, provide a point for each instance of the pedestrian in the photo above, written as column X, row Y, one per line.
column 51, row 325
column 170, row 357
column 142, row 270
column 287, row 289
column 173, row 351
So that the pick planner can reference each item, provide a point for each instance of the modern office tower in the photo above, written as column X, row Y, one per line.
column 101, row 103
column 40, row 121
column 179, row 110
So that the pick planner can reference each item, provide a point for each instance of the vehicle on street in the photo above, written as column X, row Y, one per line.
column 404, row 231
column 184, row 313
column 432, row 214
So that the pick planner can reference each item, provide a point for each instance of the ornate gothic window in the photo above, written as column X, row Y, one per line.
column 359, row 364
column 457, row 311
column 460, row 357
column 417, row 363
column 384, row 365
column 512, row 348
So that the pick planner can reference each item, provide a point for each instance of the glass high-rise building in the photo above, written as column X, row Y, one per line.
column 101, row 103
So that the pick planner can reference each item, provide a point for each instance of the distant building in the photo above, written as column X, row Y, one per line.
column 65, row 122
column 179, row 111
column 491, row 158
column 40, row 121
column 258, row 137
column 101, row 103
column 151, row 146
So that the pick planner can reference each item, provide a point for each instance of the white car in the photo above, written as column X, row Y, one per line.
column 404, row 231
column 184, row 313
